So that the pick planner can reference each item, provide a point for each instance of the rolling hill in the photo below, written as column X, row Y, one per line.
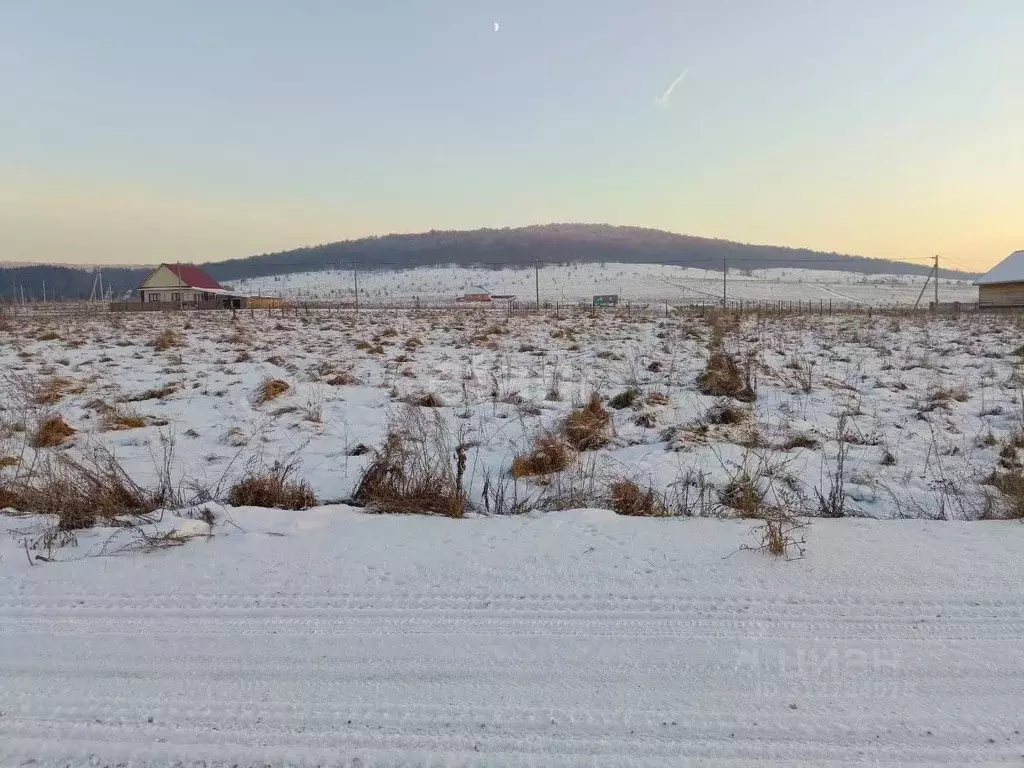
column 489, row 248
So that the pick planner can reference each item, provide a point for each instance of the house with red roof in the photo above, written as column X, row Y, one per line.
column 184, row 286
column 181, row 284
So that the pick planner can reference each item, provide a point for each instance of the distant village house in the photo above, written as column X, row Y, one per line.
column 1003, row 285
column 184, row 286
column 478, row 294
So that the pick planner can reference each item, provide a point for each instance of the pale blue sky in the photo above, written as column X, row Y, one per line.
column 136, row 130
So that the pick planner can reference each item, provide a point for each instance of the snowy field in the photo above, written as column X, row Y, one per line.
column 636, row 282
column 609, row 595
column 920, row 411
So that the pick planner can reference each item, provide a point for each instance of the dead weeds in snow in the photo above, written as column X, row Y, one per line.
column 589, row 428
column 277, row 487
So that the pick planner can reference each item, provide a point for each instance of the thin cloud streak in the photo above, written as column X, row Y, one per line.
column 663, row 100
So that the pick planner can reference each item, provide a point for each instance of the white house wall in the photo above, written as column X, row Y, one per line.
column 162, row 278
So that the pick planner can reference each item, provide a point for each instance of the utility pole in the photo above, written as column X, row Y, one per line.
column 725, row 281
column 536, row 280
column 355, row 277
column 933, row 272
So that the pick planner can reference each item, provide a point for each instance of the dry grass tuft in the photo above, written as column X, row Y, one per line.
column 1011, row 486
column 343, row 379
column 742, row 495
column 426, row 400
column 589, row 428
column 115, row 420
column 276, row 488
column 794, row 442
column 52, row 390
column 549, row 454
column 52, row 431
column 628, row 498
column 166, row 340
column 657, row 398
column 412, row 472
column 82, row 493
column 158, row 393
column 269, row 389
column 625, row 399
column 723, row 377
column 9, row 461
column 780, row 536
column 727, row 414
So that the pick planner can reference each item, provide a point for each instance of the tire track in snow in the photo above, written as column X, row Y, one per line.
column 393, row 676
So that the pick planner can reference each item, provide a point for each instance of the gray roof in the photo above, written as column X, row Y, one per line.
column 1009, row 270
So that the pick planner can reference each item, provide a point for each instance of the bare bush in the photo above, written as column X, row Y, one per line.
column 589, row 428
column 270, row 389
column 625, row 399
column 833, row 503
column 83, row 492
column 548, row 454
column 276, row 487
column 628, row 498
column 166, row 340
column 413, row 472
column 723, row 377
column 780, row 535
column 51, row 432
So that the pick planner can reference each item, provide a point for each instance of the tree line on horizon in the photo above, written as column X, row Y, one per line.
column 488, row 248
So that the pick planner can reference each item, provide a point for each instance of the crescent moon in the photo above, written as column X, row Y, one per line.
column 496, row 26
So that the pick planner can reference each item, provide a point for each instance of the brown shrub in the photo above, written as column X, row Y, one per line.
column 9, row 461
column 426, row 400
column 274, row 488
column 628, row 498
column 166, row 340
column 82, row 493
column 588, row 428
column 1011, row 486
column 343, row 379
column 412, row 473
column 724, row 378
column 549, row 454
column 742, row 495
column 48, row 336
column 116, row 420
column 52, row 431
column 52, row 390
column 269, row 389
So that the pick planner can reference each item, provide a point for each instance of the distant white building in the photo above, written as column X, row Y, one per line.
column 1003, row 285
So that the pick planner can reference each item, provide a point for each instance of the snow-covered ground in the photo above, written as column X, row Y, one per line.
column 635, row 282
column 926, row 409
column 331, row 637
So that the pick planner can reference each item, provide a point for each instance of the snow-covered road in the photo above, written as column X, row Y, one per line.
column 332, row 637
